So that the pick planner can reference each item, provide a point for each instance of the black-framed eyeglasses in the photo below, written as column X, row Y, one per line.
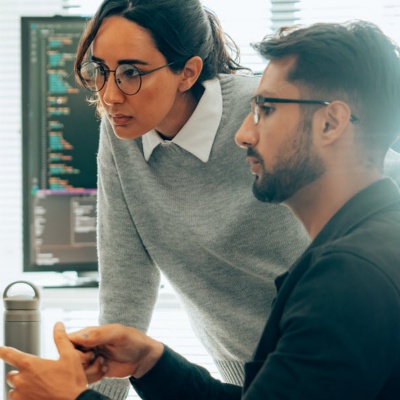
column 128, row 78
column 256, row 101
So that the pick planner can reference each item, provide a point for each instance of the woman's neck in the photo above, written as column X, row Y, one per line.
column 184, row 107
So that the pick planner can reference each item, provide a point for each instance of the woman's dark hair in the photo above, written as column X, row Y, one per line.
column 354, row 62
column 180, row 30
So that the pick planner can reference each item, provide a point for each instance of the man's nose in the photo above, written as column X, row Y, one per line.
column 247, row 135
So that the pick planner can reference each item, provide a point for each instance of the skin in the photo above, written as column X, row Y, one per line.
column 120, row 351
column 42, row 379
column 164, row 101
column 106, row 351
column 331, row 148
column 297, row 164
column 336, row 167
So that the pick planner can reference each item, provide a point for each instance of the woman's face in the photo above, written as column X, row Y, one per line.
column 156, row 105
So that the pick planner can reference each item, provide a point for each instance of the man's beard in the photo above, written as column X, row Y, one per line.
column 296, row 167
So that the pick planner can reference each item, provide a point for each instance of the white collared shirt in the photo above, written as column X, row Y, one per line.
column 198, row 134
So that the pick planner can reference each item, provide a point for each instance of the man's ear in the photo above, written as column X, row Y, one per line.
column 335, row 121
column 190, row 73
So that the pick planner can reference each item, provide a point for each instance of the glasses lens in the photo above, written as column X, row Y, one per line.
column 93, row 76
column 254, row 110
column 128, row 78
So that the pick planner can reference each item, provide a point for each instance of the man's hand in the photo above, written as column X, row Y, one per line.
column 39, row 379
column 120, row 351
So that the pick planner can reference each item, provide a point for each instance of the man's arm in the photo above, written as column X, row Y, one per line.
column 155, row 371
column 175, row 378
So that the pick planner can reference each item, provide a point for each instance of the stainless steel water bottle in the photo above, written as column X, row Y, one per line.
column 21, row 323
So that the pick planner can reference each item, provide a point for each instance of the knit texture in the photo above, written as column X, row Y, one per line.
column 200, row 224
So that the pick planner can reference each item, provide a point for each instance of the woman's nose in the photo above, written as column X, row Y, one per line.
column 111, row 93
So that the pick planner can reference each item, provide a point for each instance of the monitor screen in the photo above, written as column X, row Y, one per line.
column 60, row 133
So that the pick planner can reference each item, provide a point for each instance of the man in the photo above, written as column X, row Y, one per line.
column 323, row 118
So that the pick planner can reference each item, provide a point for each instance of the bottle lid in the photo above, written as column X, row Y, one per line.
column 21, row 302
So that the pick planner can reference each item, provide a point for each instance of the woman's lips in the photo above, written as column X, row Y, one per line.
column 121, row 119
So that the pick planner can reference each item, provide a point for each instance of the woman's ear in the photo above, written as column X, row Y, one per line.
column 190, row 73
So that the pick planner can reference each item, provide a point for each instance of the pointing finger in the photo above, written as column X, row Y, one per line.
column 13, row 356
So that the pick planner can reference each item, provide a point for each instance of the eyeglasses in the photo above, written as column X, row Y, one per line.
column 256, row 101
column 128, row 78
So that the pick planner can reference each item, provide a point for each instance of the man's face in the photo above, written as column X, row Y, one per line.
column 280, row 147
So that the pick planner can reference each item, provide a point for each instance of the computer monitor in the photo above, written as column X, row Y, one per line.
column 60, row 134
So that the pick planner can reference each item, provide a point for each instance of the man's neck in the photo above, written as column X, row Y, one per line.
column 315, row 204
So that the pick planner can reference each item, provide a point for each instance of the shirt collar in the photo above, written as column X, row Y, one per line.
column 198, row 134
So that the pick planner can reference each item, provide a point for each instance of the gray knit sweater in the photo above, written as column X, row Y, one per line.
column 199, row 224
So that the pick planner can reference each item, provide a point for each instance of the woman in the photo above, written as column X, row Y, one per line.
column 173, row 188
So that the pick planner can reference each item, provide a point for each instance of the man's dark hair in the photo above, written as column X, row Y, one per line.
column 354, row 62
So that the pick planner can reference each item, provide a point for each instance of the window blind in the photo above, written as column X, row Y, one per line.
column 249, row 23
column 244, row 24
column 385, row 13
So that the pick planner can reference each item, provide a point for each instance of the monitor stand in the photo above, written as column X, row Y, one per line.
column 73, row 279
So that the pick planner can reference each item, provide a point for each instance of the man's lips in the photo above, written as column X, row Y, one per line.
column 254, row 164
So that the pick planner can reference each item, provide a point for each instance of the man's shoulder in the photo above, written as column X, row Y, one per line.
column 392, row 165
column 372, row 249
column 366, row 229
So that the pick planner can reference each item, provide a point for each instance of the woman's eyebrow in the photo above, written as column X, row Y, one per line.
column 125, row 61
column 94, row 58
column 133, row 61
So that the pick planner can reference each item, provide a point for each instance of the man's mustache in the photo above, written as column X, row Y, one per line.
column 253, row 153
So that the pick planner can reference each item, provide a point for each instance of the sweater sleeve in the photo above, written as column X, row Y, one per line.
column 175, row 378
column 129, row 280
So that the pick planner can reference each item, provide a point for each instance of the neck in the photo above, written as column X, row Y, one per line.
column 315, row 204
column 182, row 109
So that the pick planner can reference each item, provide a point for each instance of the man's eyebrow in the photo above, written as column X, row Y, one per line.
column 126, row 61
column 265, row 93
